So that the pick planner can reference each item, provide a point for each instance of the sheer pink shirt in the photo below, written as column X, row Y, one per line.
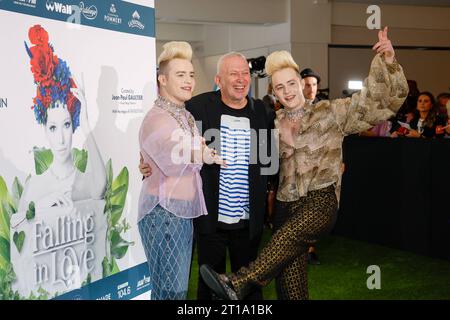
column 175, row 183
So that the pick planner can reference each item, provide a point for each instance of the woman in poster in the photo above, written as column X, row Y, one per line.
column 60, row 107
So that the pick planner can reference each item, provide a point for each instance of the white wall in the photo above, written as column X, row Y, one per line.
column 220, row 11
column 409, row 25
column 306, row 28
column 415, row 17
column 211, row 41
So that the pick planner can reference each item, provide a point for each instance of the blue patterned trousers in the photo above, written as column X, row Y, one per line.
column 167, row 241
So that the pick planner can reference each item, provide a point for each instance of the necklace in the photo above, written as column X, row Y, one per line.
column 166, row 103
column 178, row 112
column 294, row 115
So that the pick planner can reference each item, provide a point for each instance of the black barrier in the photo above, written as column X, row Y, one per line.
column 396, row 192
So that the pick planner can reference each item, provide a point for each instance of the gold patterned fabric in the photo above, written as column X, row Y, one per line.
column 310, row 174
column 314, row 160
column 285, row 254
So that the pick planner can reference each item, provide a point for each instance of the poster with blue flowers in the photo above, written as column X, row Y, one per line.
column 72, row 97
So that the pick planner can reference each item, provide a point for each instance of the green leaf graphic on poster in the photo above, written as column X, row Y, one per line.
column 9, row 208
column 4, row 215
column 4, row 222
column 19, row 238
column 123, row 188
column 7, row 276
column 42, row 295
column 109, row 268
column 118, row 195
column 116, row 210
column 80, row 158
column 3, row 190
column 31, row 212
column 6, row 210
column 119, row 246
column 43, row 158
column 87, row 281
column 109, row 174
column 5, row 255
column 115, row 197
column 114, row 267
column 105, row 267
column 17, row 190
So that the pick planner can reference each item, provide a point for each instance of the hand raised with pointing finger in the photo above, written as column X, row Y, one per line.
column 384, row 46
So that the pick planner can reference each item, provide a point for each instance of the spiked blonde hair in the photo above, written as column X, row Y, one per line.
column 279, row 60
column 174, row 50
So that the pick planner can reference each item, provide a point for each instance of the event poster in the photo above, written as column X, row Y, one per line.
column 76, row 78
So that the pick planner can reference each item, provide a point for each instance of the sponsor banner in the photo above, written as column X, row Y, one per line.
column 112, row 15
column 125, row 285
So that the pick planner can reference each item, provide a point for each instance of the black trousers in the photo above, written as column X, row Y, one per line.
column 212, row 250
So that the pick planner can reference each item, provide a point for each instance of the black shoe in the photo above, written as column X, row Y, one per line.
column 219, row 284
column 313, row 258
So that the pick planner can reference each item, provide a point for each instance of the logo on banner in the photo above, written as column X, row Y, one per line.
column 88, row 12
column 144, row 282
column 135, row 23
column 3, row 103
column 57, row 7
column 26, row 3
column 112, row 17
column 105, row 297
column 123, row 290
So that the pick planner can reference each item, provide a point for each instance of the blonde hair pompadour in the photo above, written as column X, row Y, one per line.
column 174, row 50
column 279, row 60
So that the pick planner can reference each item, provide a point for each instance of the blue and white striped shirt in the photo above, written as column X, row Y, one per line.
column 233, row 181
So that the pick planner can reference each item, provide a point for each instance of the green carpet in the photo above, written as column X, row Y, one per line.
column 343, row 273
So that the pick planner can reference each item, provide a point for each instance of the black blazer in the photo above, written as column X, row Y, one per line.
column 205, row 108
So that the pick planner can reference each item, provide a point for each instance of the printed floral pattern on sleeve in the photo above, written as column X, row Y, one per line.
column 315, row 160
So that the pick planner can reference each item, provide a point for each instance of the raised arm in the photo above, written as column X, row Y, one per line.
column 383, row 92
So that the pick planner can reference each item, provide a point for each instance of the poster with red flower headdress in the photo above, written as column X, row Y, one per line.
column 76, row 79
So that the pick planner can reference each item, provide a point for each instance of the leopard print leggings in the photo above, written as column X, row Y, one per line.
column 285, row 256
